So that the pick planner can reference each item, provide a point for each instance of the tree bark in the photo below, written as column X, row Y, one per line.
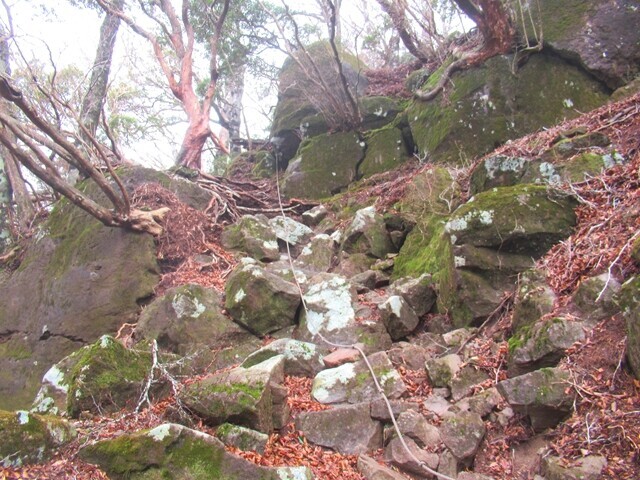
column 493, row 21
column 94, row 98
column 396, row 9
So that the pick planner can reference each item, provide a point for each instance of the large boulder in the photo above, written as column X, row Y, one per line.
column 78, row 281
column 259, row 300
column 462, row 434
column 601, row 36
column 29, row 438
column 325, row 165
column 491, row 104
column 387, row 149
column 187, row 318
column 171, row 451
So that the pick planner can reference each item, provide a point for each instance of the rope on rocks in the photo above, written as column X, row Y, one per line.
column 379, row 388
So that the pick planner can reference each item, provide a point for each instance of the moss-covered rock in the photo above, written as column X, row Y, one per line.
column 252, row 235
column 259, row 300
column 599, row 35
column 242, row 438
column 462, row 434
column 325, row 165
column 534, row 298
column 300, row 358
column 378, row 111
column 29, row 438
column 489, row 105
column 629, row 301
column 386, row 150
column 367, row 234
column 171, row 452
column 188, row 318
column 78, row 281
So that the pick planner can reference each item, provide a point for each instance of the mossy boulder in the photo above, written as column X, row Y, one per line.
column 378, row 111
column 242, row 396
column 594, row 298
column 318, row 255
column 600, row 36
column 103, row 377
column 252, row 235
column 29, row 438
column 301, row 99
column 173, row 452
column 260, row 301
column 386, row 150
column 367, row 234
column 629, row 302
column 77, row 281
column 491, row 104
column 188, row 318
column 242, row 438
column 325, row 165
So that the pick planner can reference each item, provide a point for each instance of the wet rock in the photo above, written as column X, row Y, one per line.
column 398, row 317
column 462, row 434
column 28, row 438
column 260, row 301
column 397, row 455
column 252, row 235
column 543, row 345
column 542, row 395
column 242, row 438
column 300, row 358
column 586, row 468
column 352, row 382
column 346, row 429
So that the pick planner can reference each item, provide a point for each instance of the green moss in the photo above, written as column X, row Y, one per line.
column 386, row 149
column 559, row 19
column 15, row 349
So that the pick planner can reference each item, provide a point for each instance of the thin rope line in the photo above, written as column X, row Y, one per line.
column 353, row 346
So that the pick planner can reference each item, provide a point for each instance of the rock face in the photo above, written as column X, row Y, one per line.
column 186, row 318
column 259, row 300
column 84, row 280
column 387, row 149
column 29, row 438
column 348, row 429
column 171, row 451
column 490, row 104
column 582, row 31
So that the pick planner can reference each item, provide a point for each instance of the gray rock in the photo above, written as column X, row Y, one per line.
column 397, row 455
column 629, row 302
column 372, row 470
column 260, row 301
column 497, row 171
column 473, row 476
column 290, row 231
column 367, row 234
column 380, row 411
column 369, row 280
column 300, row 358
column 352, row 382
column 594, row 298
column 464, row 381
column 443, row 370
column 409, row 355
column 313, row 217
column 252, row 235
column 242, row 396
column 534, row 298
column 544, row 345
column 481, row 403
column 162, row 450
column 437, row 404
column 458, row 336
column 586, row 468
column 462, row 434
column 415, row 426
column 542, row 395
column 398, row 317
column 417, row 292
column 318, row 254
column 186, row 318
column 29, row 438
column 243, row 438
column 346, row 429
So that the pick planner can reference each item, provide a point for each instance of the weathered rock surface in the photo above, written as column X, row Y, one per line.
column 171, row 451
column 318, row 254
column 242, row 396
column 397, row 455
column 462, row 434
column 259, row 300
column 186, row 318
column 242, row 437
column 254, row 236
column 346, row 429
column 586, row 468
column 398, row 317
column 541, row 395
column 103, row 377
column 629, row 301
column 290, row 231
column 367, row 234
column 352, row 382
column 417, row 292
column 415, row 426
column 387, row 149
column 534, row 298
column 594, row 298
column 372, row 470
column 300, row 358
column 443, row 370
column 28, row 438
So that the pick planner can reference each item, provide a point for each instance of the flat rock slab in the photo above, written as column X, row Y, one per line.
column 347, row 429
column 353, row 383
